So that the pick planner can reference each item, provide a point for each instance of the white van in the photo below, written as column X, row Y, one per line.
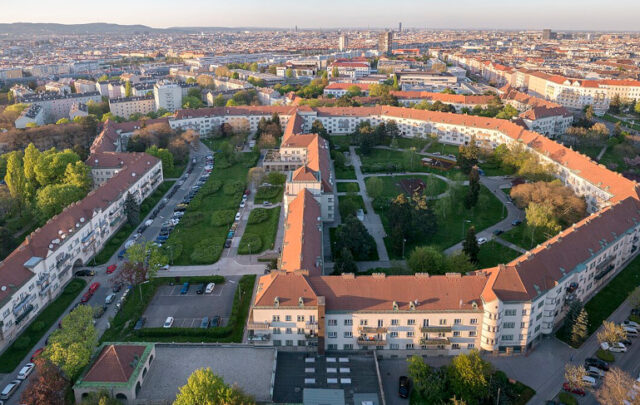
column 10, row 389
column 590, row 381
column 26, row 370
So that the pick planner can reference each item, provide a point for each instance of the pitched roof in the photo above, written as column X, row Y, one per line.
column 443, row 98
column 115, row 363
column 302, row 245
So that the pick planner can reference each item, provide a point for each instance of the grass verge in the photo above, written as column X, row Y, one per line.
column 492, row 253
column 15, row 353
column 264, row 232
column 346, row 186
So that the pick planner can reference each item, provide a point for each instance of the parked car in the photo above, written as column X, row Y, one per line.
column 242, row 204
column 9, row 389
column 111, row 268
column 215, row 322
column 86, row 297
column 185, row 288
column 482, row 241
column 140, row 323
column 635, row 311
column 516, row 222
column 205, row 323
column 98, row 312
column 36, row 354
column 266, row 203
column 93, row 287
column 631, row 324
column 589, row 381
column 498, row 232
column 595, row 372
column 210, row 288
column 227, row 243
column 25, row 371
column 577, row 391
column 238, row 216
column 230, row 234
column 602, row 365
column 168, row 322
column 122, row 253
column 84, row 273
column 149, row 222
column 116, row 287
column 200, row 289
column 616, row 347
column 110, row 298
column 404, row 385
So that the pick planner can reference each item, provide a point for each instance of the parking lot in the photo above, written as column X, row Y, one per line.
column 189, row 309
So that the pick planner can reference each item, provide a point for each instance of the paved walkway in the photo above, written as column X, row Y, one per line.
column 371, row 219
column 509, row 244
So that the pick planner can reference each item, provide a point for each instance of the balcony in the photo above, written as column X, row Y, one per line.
column 434, row 342
column 603, row 265
column 258, row 326
column 62, row 260
column 22, row 304
column 372, row 329
column 313, row 326
column 24, row 314
column 435, row 329
column 372, row 341
column 259, row 338
column 604, row 272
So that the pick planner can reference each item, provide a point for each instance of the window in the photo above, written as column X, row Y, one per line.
column 539, row 316
column 425, row 322
column 509, row 312
column 332, row 346
column 332, row 335
column 470, row 346
column 457, row 321
column 507, row 337
column 348, row 346
column 394, row 334
column 288, row 331
column 348, row 334
column 456, row 333
column 289, row 342
column 509, row 325
column 394, row 346
column 540, row 304
column 276, row 318
column 333, row 322
column 443, row 321
column 394, row 322
column 287, row 318
column 380, row 323
column 300, row 331
column 409, row 346
column 455, row 346
column 276, row 331
column 300, row 318
column 363, row 322
column 277, row 342
column 473, row 321
column 411, row 321
column 472, row 333
column 348, row 322
column 410, row 334
column 522, row 325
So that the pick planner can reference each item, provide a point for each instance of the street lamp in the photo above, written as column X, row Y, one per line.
column 404, row 240
column 464, row 222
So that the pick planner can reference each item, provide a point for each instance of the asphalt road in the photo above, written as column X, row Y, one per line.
column 104, row 279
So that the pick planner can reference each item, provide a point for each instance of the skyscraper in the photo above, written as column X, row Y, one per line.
column 399, row 27
column 385, row 42
column 548, row 34
column 343, row 42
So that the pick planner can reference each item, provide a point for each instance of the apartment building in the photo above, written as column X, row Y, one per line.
column 167, row 95
column 56, row 106
column 34, row 114
column 57, row 87
column 125, row 107
column 84, row 86
column 350, row 69
column 459, row 101
column 340, row 89
column 426, row 80
column 78, row 110
column 35, row 273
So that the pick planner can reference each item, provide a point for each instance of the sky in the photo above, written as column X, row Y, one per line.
column 498, row 14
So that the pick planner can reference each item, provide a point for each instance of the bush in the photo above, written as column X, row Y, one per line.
column 206, row 251
column 222, row 217
column 567, row 399
column 276, row 178
column 210, row 187
column 195, row 204
column 258, row 215
column 193, row 218
column 23, row 342
column 267, row 192
column 232, row 188
column 605, row 356
column 250, row 239
column 173, row 249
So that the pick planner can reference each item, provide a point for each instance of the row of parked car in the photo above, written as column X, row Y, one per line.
column 234, row 226
column 13, row 386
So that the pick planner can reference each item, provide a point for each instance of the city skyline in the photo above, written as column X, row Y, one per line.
column 495, row 14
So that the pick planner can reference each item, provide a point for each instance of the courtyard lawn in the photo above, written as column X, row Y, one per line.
column 196, row 239
column 15, row 353
column 262, row 235
column 114, row 243
column 392, row 187
column 341, row 142
column 358, row 202
column 406, row 143
column 344, row 187
column 345, row 173
column 393, row 161
column 492, row 253
column 610, row 297
column 452, row 227
column 521, row 236
column 443, row 149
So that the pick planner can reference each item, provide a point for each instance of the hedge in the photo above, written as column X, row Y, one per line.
column 258, row 215
column 206, row 251
column 232, row 188
column 567, row 399
column 222, row 217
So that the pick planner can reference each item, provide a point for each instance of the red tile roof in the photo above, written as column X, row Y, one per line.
column 302, row 244
column 115, row 363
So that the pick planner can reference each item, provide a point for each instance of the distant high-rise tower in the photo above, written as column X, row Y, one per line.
column 343, row 43
column 399, row 27
column 548, row 34
column 385, row 42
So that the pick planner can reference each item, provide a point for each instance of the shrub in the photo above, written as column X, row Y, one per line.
column 222, row 217
column 23, row 342
column 258, row 215
column 232, row 188
column 605, row 356
column 211, row 187
column 206, row 251
column 267, row 192
column 173, row 249
column 250, row 239
column 276, row 178
column 568, row 399
column 195, row 203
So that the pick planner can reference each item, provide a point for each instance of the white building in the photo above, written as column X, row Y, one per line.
column 84, row 86
column 125, row 107
column 168, row 96
column 34, row 114
column 58, row 106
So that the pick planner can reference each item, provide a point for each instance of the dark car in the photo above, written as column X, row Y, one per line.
column 200, row 289
column 498, row 232
column 205, row 323
column 404, row 386
column 85, row 273
column 215, row 321
column 185, row 288
column 227, row 243
column 122, row 253
column 593, row 362
column 626, row 342
column 635, row 311
column 516, row 222
column 116, row 288
column 140, row 323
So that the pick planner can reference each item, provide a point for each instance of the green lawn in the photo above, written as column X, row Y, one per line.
column 492, row 253
column 198, row 241
column 452, row 226
column 345, row 173
column 15, row 353
column 491, row 169
column 175, row 172
column 344, row 187
column 273, row 194
column 356, row 198
column 610, row 118
column 122, row 324
column 114, row 243
column 443, row 149
column 391, row 185
column 521, row 236
column 341, row 141
column 392, row 161
column 264, row 231
column 406, row 143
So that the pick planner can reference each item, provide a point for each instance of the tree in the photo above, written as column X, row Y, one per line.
column 458, row 262
column 52, row 199
column 63, row 121
column 354, row 91
column 579, row 330
column 318, row 128
column 473, row 192
column 289, row 73
column 70, row 347
column 375, row 187
column 353, row 235
column 468, row 156
column 78, row 175
column 15, row 179
column 344, row 262
column 616, row 387
column 127, row 89
column 219, row 101
column 567, row 207
column 164, row 155
column 46, row 386
column 611, row 333
column 255, row 176
column 143, row 262
column 573, row 376
column 637, row 107
column 192, row 102
column 99, row 398
column 335, row 72
column 427, row 259
column 541, row 217
column 468, row 377
column 470, row 245
column 588, row 112
column 430, row 383
column 206, row 388
column 276, row 178
column 132, row 210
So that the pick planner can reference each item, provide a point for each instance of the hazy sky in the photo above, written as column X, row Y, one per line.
column 511, row 14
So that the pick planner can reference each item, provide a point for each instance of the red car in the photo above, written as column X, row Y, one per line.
column 111, row 268
column 93, row 287
column 247, row 192
column 577, row 391
column 37, row 353
column 85, row 298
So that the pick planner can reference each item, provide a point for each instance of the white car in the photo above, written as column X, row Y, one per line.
column 129, row 243
column 210, row 288
column 616, row 347
column 588, row 380
column 482, row 241
column 9, row 389
column 148, row 222
column 25, row 371
column 631, row 324
column 242, row 204
column 238, row 216
column 595, row 372
column 168, row 322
